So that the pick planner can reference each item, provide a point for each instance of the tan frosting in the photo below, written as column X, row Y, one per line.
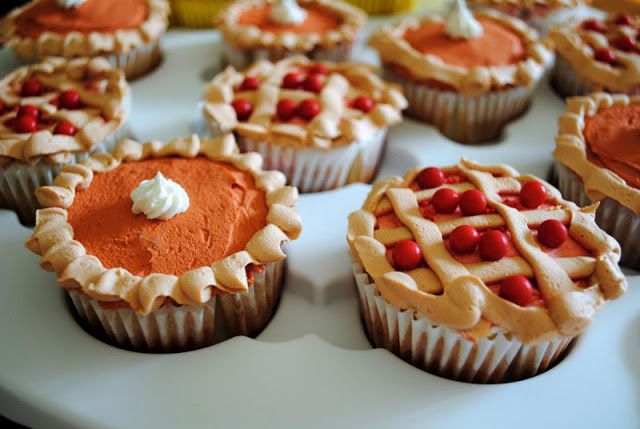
column 103, row 112
column 53, row 239
column 571, row 150
column 393, row 49
column 77, row 44
column 528, row 3
column 250, row 36
column 335, row 125
column 456, row 294
column 576, row 46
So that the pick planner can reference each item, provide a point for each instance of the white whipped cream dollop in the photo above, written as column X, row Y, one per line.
column 288, row 12
column 159, row 198
column 69, row 4
column 461, row 24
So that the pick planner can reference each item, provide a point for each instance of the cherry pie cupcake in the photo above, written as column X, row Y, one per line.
column 478, row 273
column 324, row 125
column 597, row 55
column 126, row 32
column 51, row 114
column 151, row 241
column 275, row 29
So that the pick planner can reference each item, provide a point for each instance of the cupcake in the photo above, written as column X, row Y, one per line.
column 537, row 13
column 126, row 32
column 196, row 13
column 597, row 161
column 151, row 241
column 384, row 7
column 324, row 125
column 467, row 74
column 595, row 55
column 477, row 273
column 51, row 114
column 275, row 29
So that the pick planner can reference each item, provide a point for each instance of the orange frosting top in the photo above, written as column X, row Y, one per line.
column 613, row 139
column 103, row 16
column 226, row 210
column 319, row 20
column 498, row 45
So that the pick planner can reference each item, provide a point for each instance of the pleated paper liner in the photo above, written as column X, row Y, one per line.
column 617, row 220
column 177, row 328
column 566, row 82
column 445, row 352
column 137, row 61
column 241, row 59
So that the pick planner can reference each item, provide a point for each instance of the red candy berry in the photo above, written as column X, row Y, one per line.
column 362, row 103
column 594, row 25
column 552, row 233
column 464, row 239
column 624, row 19
column 243, row 108
column 517, row 289
column 319, row 69
column 473, row 202
column 31, row 88
column 249, row 83
column 3, row 106
column 308, row 109
column 605, row 55
column 29, row 110
column 445, row 201
column 533, row 194
column 430, row 177
column 624, row 42
column 313, row 83
column 493, row 245
column 406, row 255
column 65, row 127
column 70, row 99
column 292, row 80
column 25, row 124
column 286, row 109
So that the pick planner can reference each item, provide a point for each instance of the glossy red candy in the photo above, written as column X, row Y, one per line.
column 517, row 289
column 29, row 110
column 319, row 69
column 70, row 99
column 66, row 128
column 464, row 239
column 286, row 109
column 243, row 108
column 624, row 42
column 292, row 80
column 605, row 55
column 473, row 202
column 362, row 103
column 308, row 109
column 552, row 233
column 249, row 83
column 31, row 87
column 430, row 177
column 313, row 83
column 406, row 255
column 445, row 201
column 493, row 245
column 25, row 124
column 594, row 25
column 624, row 19
column 533, row 194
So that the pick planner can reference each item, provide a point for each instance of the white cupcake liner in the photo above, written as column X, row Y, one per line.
column 241, row 59
column 176, row 328
column 617, row 220
column 463, row 118
column 445, row 352
column 137, row 61
column 315, row 170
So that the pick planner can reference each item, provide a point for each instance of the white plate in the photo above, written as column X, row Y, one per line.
column 312, row 366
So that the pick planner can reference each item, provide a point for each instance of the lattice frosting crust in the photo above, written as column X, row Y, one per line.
column 571, row 150
column 578, row 45
column 241, row 36
column 76, row 270
column 337, row 122
column 76, row 44
column 457, row 294
column 103, row 91
column 393, row 49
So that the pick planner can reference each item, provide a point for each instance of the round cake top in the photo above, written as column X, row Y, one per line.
column 445, row 242
column 103, row 16
column 318, row 20
column 232, row 217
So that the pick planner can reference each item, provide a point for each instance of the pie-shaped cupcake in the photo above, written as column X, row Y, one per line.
column 275, row 29
column 150, row 241
column 322, row 124
column 467, row 74
column 126, row 32
column 55, row 113
column 598, row 161
column 478, row 273
column 597, row 55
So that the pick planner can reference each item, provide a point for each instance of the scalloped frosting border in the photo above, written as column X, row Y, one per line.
column 52, row 237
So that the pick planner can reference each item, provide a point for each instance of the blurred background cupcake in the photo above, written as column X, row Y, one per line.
column 385, row 7
column 196, row 13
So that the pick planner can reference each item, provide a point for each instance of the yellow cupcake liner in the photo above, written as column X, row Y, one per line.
column 196, row 13
column 383, row 7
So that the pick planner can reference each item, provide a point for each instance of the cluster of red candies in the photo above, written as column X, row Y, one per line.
column 623, row 42
column 29, row 118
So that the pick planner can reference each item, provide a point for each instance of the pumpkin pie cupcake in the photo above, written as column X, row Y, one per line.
column 324, row 125
column 275, row 29
column 597, row 160
column 51, row 114
column 467, row 74
column 126, row 32
column 597, row 55
column 151, row 241
column 477, row 273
